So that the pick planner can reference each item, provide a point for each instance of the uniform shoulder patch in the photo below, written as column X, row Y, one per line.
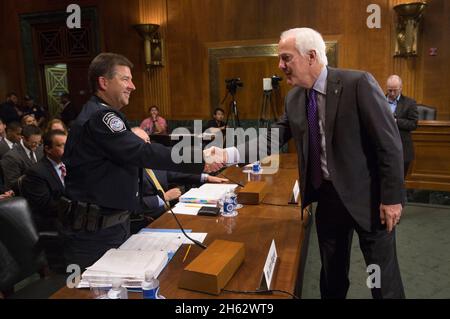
column 113, row 122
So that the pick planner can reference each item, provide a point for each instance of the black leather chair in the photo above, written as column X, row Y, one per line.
column 426, row 112
column 22, row 254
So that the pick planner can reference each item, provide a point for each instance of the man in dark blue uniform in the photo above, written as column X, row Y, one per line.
column 102, row 158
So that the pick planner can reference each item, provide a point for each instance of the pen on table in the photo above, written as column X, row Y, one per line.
column 187, row 252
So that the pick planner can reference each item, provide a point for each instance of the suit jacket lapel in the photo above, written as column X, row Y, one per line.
column 334, row 88
column 24, row 155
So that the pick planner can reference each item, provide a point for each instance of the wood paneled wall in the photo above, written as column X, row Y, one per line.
column 194, row 25
column 190, row 27
column 116, row 18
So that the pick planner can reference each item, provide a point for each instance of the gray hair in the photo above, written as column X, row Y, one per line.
column 307, row 39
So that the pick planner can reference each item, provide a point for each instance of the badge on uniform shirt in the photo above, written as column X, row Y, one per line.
column 113, row 122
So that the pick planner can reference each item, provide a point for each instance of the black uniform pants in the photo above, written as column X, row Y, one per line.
column 335, row 229
column 85, row 248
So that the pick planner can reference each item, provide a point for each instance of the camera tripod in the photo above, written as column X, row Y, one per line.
column 268, row 110
column 233, row 110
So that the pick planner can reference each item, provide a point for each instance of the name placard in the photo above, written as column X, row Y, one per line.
column 295, row 193
column 269, row 268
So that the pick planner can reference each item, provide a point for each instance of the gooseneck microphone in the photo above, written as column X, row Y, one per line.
column 161, row 195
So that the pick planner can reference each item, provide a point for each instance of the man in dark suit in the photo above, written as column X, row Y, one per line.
column 43, row 183
column 22, row 156
column 13, row 136
column 405, row 114
column 350, row 160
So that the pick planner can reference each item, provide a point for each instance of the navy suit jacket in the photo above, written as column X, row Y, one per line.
column 149, row 192
column 407, row 116
column 15, row 163
column 43, row 188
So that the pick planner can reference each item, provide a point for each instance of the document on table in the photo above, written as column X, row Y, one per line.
column 154, row 241
column 189, row 208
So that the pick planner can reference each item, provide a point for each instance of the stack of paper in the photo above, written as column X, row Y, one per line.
column 149, row 250
column 129, row 265
column 207, row 193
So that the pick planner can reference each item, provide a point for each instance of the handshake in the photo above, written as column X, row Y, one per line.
column 215, row 159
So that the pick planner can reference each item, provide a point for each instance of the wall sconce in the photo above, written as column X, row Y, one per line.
column 409, row 16
column 153, row 44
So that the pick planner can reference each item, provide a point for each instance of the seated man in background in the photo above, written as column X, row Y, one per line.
column 406, row 116
column 43, row 186
column 38, row 112
column 152, row 206
column 28, row 119
column 216, row 124
column 43, row 183
column 23, row 155
column 155, row 124
column 13, row 135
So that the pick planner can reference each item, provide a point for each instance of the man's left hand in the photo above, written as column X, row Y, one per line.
column 390, row 215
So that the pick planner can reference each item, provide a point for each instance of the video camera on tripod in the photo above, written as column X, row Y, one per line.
column 233, row 84
column 272, row 83
column 269, row 106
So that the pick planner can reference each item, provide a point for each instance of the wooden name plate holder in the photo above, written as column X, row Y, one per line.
column 211, row 270
column 252, row 193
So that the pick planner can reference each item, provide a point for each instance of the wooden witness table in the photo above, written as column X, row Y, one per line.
column 255, row 226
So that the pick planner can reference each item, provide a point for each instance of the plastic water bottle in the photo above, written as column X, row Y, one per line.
column 117, row 291
column 228, row 205
column 235, row 200
column 150, row 287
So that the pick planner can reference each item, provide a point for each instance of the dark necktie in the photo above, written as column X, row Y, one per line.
column 32, row 158
column 314, row 140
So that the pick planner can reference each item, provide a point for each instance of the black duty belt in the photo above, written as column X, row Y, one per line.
column 90, row 217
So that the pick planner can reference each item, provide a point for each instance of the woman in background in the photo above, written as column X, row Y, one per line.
column 56, row 124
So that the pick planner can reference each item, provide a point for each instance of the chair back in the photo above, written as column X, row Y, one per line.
column 426, row 112
column 20, row 239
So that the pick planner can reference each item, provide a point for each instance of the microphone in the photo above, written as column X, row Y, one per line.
column 161, row 195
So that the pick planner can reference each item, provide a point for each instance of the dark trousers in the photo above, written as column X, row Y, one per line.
column 84, row 248
column 335, row 228
column 406, row 168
